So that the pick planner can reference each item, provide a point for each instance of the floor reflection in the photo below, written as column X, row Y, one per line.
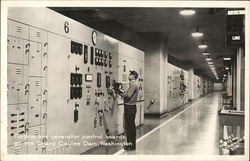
column 199, row 130
column 194, row 132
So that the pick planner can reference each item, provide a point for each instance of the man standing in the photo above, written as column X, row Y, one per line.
column 130, row 99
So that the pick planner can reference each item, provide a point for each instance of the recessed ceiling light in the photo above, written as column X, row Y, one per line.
column 197, row 34
column 208, row 59
column 187, row 12
column 226, row 58
column 224, row 75
column 202, row 45
column 205, row 54
column 210, row 63
column 226, row 68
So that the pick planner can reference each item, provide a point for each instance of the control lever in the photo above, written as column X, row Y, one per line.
column 27, row 51
column 45, row 115
column 95, row 119
column 100, row 112
column 26, row 127
column 26, row 91
column 27, row 45
column 75, row 115
column 45, row 67
column 76, row 112
column 45, row 91
column 27, row 85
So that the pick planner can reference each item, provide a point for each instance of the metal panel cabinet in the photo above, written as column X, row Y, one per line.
column 35, row 146
column 35, row 59
column 14, row 77
column 15, row 50
column 35, row 99
column 23, row 85
column 18, row 29
column 18, row 149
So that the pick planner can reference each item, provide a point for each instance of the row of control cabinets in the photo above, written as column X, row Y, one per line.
column 79, row 78
column 27, row 86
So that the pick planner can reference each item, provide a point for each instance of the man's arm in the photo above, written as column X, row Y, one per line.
column 129, row 93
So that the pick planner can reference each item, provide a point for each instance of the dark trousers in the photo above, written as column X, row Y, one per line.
column 130, row 129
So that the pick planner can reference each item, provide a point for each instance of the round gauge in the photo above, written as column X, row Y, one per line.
column 94, row 37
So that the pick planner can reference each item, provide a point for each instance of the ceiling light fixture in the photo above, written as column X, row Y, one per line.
column 208, row 59
column 202, row 45
column 227, row 68
column 197, row 34
column 187, row 12
column 226, row 58
column 205, row 53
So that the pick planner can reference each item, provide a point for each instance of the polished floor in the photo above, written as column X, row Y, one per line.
column 194, row 129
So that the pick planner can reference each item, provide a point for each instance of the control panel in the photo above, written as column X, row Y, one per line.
column 130, row 59
column 178, row 87
column 58, row 81
column 27, row 85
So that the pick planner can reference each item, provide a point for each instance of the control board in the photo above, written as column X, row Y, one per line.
column 131, row 59
column 59, row 73
column 178, row 87
column 27, row 86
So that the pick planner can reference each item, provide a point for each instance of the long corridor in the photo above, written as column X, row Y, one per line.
column 126, row 80
column 194, row 131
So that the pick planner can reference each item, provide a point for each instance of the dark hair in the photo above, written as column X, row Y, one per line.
column 133, row 72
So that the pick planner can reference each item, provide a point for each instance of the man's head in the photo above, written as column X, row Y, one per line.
column 133, row 75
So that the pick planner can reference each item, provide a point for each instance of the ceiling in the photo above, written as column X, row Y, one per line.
column 175, row 27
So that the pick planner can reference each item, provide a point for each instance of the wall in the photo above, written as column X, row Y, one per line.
column 217, row 87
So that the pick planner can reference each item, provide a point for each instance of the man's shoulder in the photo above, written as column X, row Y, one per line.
column 135, row 84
